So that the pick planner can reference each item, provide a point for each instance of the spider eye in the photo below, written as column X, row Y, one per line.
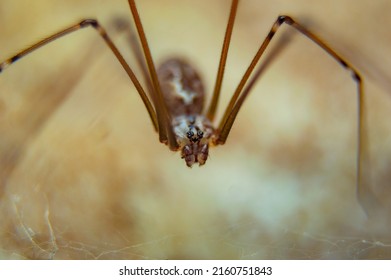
column 190, row 134
column 200, row 134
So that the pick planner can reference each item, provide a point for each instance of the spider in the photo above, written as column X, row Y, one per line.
column 175, row 101
column 175, row 94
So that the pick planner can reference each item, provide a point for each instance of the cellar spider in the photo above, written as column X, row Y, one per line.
column 175, row 96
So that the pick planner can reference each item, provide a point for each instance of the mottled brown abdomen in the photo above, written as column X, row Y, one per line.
column 182, row 87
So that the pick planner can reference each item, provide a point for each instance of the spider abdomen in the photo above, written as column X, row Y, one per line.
column 182, row 87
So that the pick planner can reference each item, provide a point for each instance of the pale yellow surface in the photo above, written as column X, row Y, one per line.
column 83, row 175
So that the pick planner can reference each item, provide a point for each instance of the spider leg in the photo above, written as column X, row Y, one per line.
column 166, row 133
column 223, row 58
column 93, row 23
column 123, row 25
column 365, row 196
column 230, row 113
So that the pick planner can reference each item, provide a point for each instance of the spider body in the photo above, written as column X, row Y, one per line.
column 184, row 97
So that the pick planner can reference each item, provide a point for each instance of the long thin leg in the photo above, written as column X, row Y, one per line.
column 371, row 204
column 234, row 104
column 109, row 42
column 365, row 196
column 123, row 25
column 223, row 58
column 251, row 84
column 164, row 121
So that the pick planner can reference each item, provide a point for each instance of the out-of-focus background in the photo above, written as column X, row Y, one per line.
column 83, row 175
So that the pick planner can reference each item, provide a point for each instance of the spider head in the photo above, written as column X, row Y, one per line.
column 193, row 135
column 196, row 149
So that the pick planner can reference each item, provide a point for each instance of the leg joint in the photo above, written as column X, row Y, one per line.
column 285, row 19
column 87, row 22
column 356, row 76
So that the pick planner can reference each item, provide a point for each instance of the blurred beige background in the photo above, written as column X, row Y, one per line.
column 83, row 175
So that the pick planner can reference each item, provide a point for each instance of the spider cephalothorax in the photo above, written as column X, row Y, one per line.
column 194, row 133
